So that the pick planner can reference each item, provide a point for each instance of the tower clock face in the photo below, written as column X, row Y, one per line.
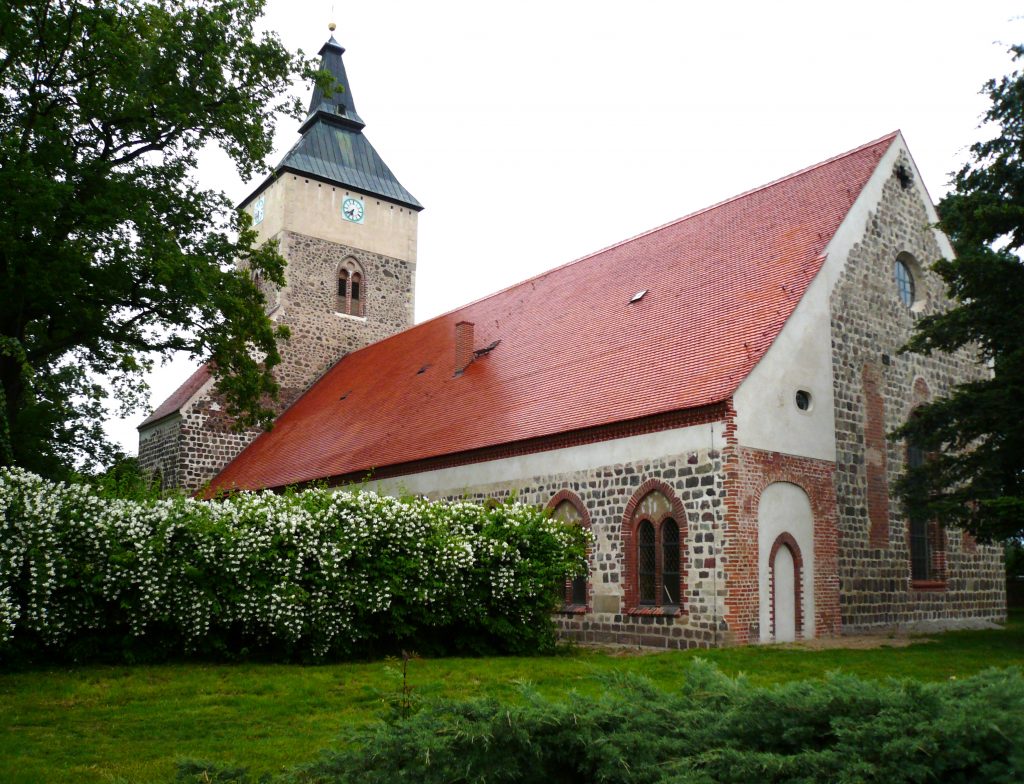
column 257, row 210
column 353, row 210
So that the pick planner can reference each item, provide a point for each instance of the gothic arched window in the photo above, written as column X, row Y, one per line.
column 655, row 569
column 925, row 538
column 351, row 297
column 568, row 507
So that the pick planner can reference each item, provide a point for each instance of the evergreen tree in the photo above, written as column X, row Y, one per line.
column 109, row 251
column 975, row 477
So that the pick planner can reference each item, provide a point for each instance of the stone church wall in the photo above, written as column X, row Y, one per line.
column 160, row 451
column 695, row 481
column 876, row 389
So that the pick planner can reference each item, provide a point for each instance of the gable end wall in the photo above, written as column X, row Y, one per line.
column 874, row 393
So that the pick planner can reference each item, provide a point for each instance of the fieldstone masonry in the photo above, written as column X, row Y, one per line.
column 876, row 389
column 696, row 482
column 191, row 446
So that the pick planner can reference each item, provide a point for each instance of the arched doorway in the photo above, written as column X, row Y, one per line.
column 785, row 532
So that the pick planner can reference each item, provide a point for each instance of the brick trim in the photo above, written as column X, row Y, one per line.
column 556, row 500
column 630, row 524
column 786, row 540
column 748, row 472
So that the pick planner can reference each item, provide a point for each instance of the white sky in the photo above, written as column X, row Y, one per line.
column 537, row 132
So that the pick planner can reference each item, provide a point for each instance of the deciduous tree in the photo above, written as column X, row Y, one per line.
column 109, row 250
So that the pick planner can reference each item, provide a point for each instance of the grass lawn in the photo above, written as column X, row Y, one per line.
column 113, row 724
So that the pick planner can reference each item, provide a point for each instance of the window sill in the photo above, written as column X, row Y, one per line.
column 927, row 585
column 349, row 316
column 574, row 609
column 668, row 611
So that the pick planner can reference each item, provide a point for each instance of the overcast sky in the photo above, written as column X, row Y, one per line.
column 537, row 132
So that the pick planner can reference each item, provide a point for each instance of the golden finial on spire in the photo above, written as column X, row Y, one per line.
column 332, row 27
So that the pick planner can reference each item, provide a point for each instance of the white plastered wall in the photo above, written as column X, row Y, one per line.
column 307, row 206
column 513, row 470
column 785, row 508
column 767, row 416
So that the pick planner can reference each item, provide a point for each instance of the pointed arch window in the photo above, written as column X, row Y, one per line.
column 568, row 507
column 351, row 293
column 926, row 539
column 655, row 577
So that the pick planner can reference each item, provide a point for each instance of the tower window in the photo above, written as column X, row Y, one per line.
column 351, row 289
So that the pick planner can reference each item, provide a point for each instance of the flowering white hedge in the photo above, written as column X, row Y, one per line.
column 309, row 575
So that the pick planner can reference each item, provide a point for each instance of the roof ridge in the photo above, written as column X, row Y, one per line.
column 688, row 216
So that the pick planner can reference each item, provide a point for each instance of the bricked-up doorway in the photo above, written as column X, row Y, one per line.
column 786, row 563
column 785, row 588
column 784, row 596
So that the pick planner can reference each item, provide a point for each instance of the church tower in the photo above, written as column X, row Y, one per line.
column 347, row 228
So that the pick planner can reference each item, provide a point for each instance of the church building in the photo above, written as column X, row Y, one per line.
column 711, row 398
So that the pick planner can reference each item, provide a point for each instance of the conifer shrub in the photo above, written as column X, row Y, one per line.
column 308, row 575
column 715, row 729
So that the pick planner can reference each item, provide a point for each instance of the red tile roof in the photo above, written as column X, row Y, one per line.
column 575, row 352
column 179, row 397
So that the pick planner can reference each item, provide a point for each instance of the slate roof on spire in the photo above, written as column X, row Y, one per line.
column 332, row 148
column 578, row 349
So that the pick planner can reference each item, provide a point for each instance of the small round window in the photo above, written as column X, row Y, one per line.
column 904, row 282
column 803, row 400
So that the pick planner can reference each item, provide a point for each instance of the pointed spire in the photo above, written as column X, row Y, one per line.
column 337, row 106
column 332, row 147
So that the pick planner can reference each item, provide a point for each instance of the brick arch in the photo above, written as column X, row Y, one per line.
column 575, row 500
column 556, row 500
column 786, row 539
column 822, row 506
column 630, row 588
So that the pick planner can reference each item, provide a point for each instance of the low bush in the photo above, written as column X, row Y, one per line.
column 715, row 729
column 301, row 575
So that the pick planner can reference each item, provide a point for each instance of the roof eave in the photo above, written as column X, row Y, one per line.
column 412, row 205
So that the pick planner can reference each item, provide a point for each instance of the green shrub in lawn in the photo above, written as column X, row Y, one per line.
column 715, row 729
column 300, row 575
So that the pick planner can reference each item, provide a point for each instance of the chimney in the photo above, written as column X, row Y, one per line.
column 463, row 346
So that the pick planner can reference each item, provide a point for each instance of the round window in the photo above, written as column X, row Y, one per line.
column 904, row 282
column 803, row 400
